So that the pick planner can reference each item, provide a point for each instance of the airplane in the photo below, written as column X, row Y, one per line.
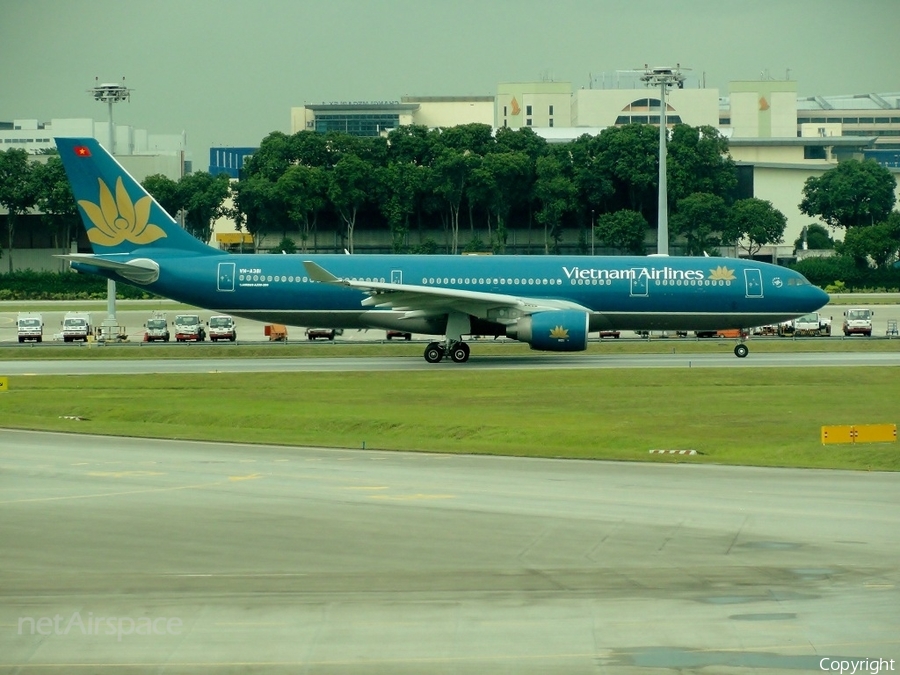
column 551, row 303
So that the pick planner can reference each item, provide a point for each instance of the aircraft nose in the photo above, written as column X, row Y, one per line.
column 818, row 297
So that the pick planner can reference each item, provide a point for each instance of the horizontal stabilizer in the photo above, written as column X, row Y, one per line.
column 139, row 270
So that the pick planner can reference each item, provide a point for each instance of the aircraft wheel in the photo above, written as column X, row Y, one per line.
column 741, row 351
column 459, row 352
column 434, row 353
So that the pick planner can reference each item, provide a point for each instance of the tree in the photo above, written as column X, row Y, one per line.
column 286, row 245
column 556, row 193
column 18, row 191
column 505, row 181
column 401, row 184
column 56, row 201
column 476, row 138
column 256, row 205
column 623, row 229
column 276, row 153
column 754, row 223
column 349, row 184
column 411, row 144
column 878, row 243
column 629, row 156
column 203, row 196
column 698, row 161
column 302, row 193
column 816, row 238
column 852, row 194
column 700, row 218
column 449, row 179
column 166, row 192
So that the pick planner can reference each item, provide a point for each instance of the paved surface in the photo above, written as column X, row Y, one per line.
column 132, row 315
column 549, row 361
column 236, row 559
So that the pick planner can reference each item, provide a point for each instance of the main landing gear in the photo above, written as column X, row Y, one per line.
column 457, row 351
column 458, row 324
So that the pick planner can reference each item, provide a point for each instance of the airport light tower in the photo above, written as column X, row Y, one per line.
column 110, row 93
column 663, row 78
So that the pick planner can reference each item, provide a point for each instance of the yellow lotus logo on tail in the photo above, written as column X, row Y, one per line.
column 721, row 273
column 559, row 333
column 117, row 220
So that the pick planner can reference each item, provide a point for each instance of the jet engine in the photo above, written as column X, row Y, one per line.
column 556, row 331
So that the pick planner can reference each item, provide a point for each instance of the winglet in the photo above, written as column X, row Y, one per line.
column 319, row 273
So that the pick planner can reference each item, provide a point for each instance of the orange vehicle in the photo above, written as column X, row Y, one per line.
column 731, row 333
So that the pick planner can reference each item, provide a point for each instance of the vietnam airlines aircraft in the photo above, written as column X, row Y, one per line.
column 548, row 302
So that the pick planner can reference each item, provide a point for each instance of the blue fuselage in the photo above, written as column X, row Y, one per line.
column 637, row 293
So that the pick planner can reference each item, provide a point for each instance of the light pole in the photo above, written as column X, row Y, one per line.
column 110, row 93
column 592, row 231
column 662, row 78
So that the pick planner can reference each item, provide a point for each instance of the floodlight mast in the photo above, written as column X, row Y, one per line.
column 662, row 78
column 110, row 93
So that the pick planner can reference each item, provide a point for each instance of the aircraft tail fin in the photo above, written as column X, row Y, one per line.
column 119, row 214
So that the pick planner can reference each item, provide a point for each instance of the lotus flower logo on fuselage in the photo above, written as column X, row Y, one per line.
column 721, row 273
column 117, row 219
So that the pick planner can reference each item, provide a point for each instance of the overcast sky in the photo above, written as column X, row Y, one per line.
column 227, row 72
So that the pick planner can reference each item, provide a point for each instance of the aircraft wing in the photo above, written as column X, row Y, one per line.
column 418, row 301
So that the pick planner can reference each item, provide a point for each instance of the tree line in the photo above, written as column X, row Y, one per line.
column 465, row 180
column 451, row 184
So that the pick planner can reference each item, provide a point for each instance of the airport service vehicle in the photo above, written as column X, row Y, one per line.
column 157, row 327
column 400, row 334
column 549, row 302
column 189, row 328
column 808, row 325
column 30, row 327
column 858, row 321
column 76, row 326
column 221, row 327
column 320, row 333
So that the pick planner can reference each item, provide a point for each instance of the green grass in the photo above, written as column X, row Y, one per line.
column 768, row 416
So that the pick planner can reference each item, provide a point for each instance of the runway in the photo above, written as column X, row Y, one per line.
column 531, row 362
column 240, row 559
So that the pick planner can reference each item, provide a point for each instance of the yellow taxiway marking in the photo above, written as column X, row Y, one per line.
column 365, row 487
column 122, row 493
column 251, row 476
column 124, row 474
column 406, row 498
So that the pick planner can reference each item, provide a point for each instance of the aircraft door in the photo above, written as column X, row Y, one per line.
column 640, row 285
column 396, row 276
column 225, row 280
column 753, row 279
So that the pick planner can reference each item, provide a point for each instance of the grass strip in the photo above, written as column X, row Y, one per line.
column 765, row 417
